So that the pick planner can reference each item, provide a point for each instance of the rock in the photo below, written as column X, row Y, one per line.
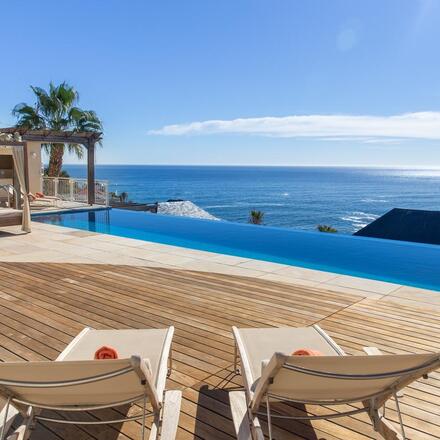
column 183, row 208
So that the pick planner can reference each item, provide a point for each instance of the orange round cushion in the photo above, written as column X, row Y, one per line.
column 40, row 195
column 106, row 353
column 307, row 352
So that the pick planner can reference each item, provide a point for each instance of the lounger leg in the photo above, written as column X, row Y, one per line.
column 167, row 420
column 269, row 419
column 247, row 426
column 23, row 432
column 257, row 432
column 155, row 427
column 170, row 415
column 380, row 423
column 383, row 426
column 5, row 424
column 144, row 409
column 396, row 399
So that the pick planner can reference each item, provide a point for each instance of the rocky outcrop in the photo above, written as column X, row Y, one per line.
column 183, row 208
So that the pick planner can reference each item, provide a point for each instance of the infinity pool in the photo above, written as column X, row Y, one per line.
column 394, row 261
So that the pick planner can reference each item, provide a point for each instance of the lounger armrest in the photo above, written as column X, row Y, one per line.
column 269, row 372
column 142, row 367
column 165, row 363
column 246, row 371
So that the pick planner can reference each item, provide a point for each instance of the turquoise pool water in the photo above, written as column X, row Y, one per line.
column 393, row 261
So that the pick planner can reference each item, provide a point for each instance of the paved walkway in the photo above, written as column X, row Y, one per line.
column 49, row 243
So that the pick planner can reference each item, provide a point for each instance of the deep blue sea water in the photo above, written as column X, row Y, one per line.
column 294, row 197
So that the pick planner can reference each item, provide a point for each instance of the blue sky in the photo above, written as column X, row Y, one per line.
column 286, row 82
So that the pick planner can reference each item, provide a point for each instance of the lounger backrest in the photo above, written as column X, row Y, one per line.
column 344, row 378
column 98, row 382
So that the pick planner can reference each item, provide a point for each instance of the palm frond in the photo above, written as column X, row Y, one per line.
column 66, row 94
column 76, row 149
column 56, row 109
column 28, row 116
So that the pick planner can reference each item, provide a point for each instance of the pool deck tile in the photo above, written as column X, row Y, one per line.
column 209, row 266
column 264, row 266
column 379, row 287
column 412, row 295
column 230, row 260
column 349, row 290
column 288, row 280
column 307, row 274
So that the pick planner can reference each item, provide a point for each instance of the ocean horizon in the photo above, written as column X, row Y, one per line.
column 299, row 197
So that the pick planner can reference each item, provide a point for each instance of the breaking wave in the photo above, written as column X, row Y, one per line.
column 374, row 200
column 359, row 219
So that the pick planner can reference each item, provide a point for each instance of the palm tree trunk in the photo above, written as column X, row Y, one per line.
column 55, row 160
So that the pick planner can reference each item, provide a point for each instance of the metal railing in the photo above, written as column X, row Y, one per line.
column 75, row 190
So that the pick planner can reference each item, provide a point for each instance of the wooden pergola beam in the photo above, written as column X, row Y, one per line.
column 53, row 136
column 11, row 143
column 55, row 139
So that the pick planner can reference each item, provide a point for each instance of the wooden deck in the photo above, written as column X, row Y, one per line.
column 43, row 306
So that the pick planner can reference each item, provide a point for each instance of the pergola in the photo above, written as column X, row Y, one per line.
column 86, row 138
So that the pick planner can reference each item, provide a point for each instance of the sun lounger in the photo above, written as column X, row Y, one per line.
column 271, row 374
column 10, row 217
column 45, row 200
column 77, row 382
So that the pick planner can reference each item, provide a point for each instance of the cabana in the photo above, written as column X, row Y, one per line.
column 36, row 138
column 25, row 147
column 10, row 216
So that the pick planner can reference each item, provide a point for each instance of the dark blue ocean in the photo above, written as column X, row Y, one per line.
column 294, row 197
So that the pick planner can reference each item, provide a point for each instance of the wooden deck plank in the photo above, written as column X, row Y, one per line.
column 43, row 306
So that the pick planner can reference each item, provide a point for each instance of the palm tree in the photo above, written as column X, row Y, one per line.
column 56, row 110
column 256, row 217
column 124, row 197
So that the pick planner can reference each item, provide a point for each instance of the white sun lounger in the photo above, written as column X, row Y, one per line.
column 45, row 200
column 77, row 382
column 271, row 374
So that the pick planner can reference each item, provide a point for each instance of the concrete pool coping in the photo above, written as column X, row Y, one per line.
column 50, row 243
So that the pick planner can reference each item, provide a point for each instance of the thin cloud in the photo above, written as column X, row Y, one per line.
column 421, row 125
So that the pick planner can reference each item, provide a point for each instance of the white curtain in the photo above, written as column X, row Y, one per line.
column 18, row 155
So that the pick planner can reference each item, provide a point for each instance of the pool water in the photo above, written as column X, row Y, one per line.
column 398, row 262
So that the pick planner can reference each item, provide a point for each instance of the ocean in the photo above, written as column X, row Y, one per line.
column 293, row 197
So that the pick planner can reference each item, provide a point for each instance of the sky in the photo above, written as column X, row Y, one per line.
column 237, row 82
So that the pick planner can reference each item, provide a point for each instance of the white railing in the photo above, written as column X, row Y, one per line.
column 75, row 190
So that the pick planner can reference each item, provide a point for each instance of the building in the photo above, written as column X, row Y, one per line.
column 405, row 225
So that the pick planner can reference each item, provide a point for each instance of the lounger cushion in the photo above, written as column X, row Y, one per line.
column 260, row 344
column 146, row 343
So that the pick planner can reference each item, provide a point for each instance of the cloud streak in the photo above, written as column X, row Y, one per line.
column 421, row 125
